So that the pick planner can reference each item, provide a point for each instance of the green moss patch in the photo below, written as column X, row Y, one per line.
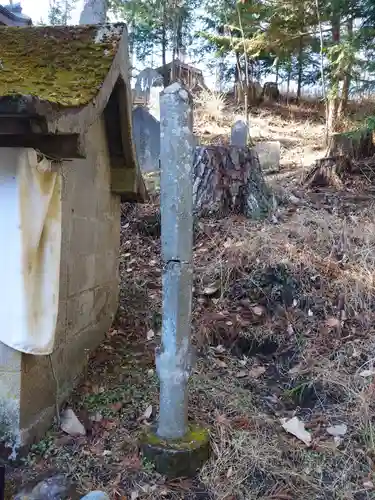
column 195, row 437
column 63, row 65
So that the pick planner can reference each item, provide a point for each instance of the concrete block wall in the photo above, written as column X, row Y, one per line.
column 89, row 285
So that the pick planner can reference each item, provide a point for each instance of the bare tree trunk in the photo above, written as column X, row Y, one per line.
column 300, row 68
column 277, row 71
column 288, row 80
column 164, row 44
column 343, row 106
column 238, row 80
column 229, row 180
column 333, row 105
column 322, row 67
column 246, row 82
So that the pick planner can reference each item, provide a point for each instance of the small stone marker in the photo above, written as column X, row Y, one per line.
column 269, row 155
column 145, row 81
column 146, row 136
column 239, row 134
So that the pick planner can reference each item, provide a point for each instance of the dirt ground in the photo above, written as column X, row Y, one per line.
column 283, row 324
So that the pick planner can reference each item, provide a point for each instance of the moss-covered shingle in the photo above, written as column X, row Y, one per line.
column 64, row 65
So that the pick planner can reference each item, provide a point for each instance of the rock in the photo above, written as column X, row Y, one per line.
column 71, row 425
column 57, row 487
column 96, row 495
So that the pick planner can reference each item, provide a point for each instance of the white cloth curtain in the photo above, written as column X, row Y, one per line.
column 30, row 251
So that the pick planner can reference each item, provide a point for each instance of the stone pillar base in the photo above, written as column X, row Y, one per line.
column 177, row 458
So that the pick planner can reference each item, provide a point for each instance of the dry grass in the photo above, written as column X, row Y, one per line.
column 288, row 332
column 210, row 104
column 309, row 265
column 300, row 129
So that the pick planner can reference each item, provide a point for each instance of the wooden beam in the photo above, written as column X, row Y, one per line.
column 62, row 146
column 15, row 124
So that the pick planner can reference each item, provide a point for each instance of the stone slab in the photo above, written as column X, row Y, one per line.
column 268, row 154
column 146, row 135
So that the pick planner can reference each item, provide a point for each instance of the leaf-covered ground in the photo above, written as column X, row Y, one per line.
column 283, row 324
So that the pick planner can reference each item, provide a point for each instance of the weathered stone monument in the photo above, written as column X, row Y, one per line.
column 177, row 447
column 145, row 81
column 269, row 155
column 146, row 136
column 239, row 134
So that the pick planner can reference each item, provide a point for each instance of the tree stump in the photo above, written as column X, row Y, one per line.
column 328, row 172
column 357, row 144
column 229, row 180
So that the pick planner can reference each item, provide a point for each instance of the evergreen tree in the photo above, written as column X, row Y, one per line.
column 60, row 11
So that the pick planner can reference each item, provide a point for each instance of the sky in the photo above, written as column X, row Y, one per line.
column 38, row 9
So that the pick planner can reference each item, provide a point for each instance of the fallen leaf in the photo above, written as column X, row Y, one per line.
column 220, row 348
column 220, row 363
column 241, row 374
column 150, row 334
column 367, row 373
column 368, row 485
column 211, row 290
column 132, row 462
column 147, row 414
column 296, row 427
column 257, row 371
column 117, row 406
column 241, row 423
column 258, row 310
column 108, row 424
column 71, row 425
column 337, row 430
column 333, row 322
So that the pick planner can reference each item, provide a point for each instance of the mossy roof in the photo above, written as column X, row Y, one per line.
column 64, row 65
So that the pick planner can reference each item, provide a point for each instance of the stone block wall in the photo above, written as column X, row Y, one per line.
column 89, row 286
